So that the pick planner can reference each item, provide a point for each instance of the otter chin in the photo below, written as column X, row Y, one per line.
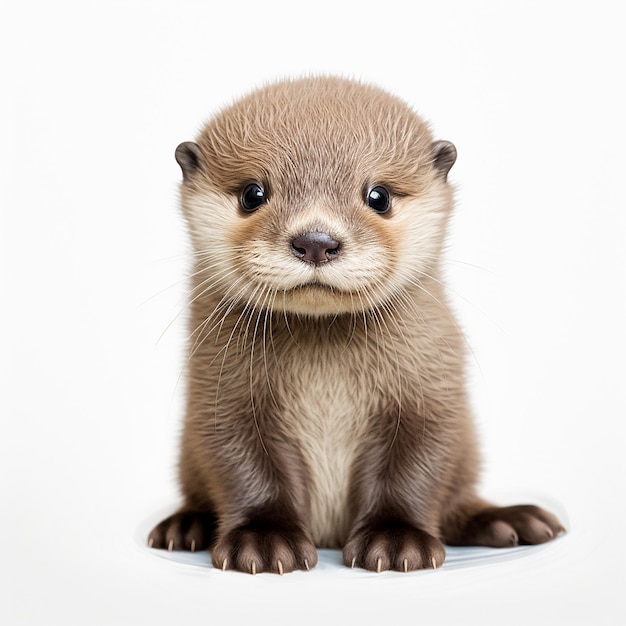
column 315, row 299
column 326, row 400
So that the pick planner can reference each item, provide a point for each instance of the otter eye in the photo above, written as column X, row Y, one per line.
column 378, row 199
column 252, row 197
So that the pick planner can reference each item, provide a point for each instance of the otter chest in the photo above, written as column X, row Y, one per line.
column 328, row 408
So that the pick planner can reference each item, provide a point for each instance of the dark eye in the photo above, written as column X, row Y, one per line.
column 252, row 197
column 378, row 199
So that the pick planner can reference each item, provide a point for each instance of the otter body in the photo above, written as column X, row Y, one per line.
column 326, row 393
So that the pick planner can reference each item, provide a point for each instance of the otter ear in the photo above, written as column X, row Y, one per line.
column 444, row 156
column 189, row 158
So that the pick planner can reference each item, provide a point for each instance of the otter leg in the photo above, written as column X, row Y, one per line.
column 395, row 499
column 184, row 530
column 501, row 527
column 263, row 501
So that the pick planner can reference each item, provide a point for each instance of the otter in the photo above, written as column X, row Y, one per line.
column 326, row 401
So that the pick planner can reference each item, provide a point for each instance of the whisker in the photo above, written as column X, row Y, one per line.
column 380, row 318
column 188, row 300
column 418, row 284
column 227, row 302
column 224, row 350
column 251, row 371
column 462, row 297
column 270, row 302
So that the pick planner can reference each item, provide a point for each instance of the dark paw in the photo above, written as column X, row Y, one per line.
column 265, row 547
column 186, row 530
column 502, row 527
column 393, row 546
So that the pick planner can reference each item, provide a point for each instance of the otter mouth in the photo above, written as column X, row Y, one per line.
column 314, row 284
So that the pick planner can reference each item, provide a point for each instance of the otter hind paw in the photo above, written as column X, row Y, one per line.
column 503, row 527
column 185, row 530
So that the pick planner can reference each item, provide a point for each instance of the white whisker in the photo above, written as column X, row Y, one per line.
column 258, row 308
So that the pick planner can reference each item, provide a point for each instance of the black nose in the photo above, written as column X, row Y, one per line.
column 315, row 247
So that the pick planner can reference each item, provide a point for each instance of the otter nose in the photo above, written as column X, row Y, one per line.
column 315, row 247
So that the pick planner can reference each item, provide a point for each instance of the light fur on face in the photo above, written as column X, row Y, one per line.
column 292, row 139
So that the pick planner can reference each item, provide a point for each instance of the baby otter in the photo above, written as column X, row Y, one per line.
column 326, row 395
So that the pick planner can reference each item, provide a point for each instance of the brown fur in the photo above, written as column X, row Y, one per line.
column 326, row 403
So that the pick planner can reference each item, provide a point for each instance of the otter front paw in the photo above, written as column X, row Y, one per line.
column 185, row 530
column 262, row 547
column 393, row 546
column 502, row 527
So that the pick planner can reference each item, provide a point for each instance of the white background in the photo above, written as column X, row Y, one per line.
column 96, row 96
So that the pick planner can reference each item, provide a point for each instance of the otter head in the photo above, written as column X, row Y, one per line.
column 318, row 196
